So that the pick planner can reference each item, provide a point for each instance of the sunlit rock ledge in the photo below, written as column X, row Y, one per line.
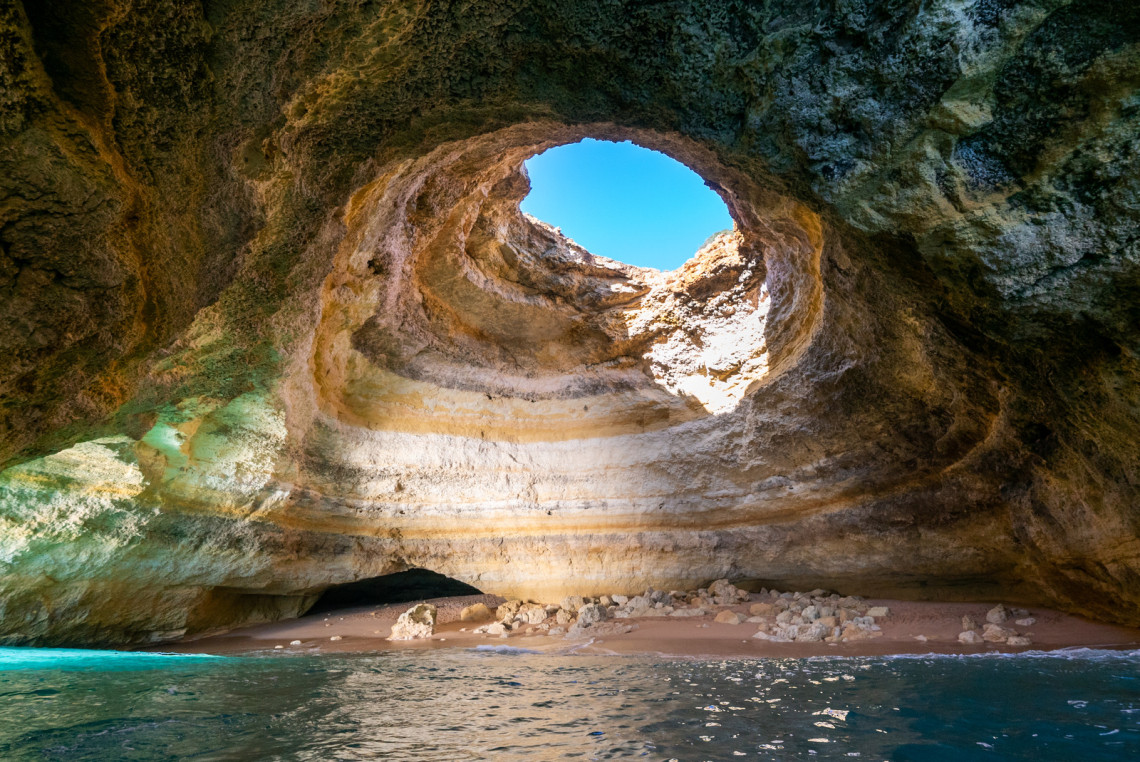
column 274, row 321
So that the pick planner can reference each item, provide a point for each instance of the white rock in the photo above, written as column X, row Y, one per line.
column 995, row 633
column 1027, row 622
column 812, row 633
column 416, row 622
column 1018, row 640
column 620, row 600
column 878, row 611
column 336, row 637
column 969, row 637
column 997, row 614
column 294, row 642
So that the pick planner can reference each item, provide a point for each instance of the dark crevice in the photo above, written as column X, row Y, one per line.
column 402, row 587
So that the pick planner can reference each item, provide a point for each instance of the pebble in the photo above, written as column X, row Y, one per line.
column 335, row 637
column 294, row 642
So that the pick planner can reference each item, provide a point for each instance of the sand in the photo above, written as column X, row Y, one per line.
column 366, row 629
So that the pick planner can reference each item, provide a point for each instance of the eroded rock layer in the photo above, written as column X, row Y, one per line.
column 273, row 320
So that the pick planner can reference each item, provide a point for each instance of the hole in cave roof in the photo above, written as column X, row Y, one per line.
column 624, row 202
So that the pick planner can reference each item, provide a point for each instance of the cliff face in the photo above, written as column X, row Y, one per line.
column 272, row 319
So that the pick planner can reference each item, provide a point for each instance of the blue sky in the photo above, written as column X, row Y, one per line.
column 624, row 202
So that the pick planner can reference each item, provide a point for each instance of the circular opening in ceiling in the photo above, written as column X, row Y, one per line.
column 624, row 202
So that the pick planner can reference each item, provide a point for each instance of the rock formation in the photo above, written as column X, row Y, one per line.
column 273, row 321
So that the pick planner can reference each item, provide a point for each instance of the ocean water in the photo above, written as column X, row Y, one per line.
column 505, row 704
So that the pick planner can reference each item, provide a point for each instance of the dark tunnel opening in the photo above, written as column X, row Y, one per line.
column 401, row 587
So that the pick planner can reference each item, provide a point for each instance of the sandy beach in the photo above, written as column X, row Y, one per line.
column 911, row 627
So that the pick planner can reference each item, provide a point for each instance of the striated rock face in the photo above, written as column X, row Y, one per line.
column 273, row 321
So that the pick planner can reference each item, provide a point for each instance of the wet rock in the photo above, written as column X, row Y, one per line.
column 416, row 622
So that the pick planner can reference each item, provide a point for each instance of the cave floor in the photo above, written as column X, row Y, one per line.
column 913, row 627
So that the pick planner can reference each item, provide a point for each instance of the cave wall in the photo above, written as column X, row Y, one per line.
column 273, row 321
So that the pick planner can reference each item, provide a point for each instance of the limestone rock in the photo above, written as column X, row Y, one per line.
column 478, row 612
column 272, row 320
column 997, row 614
column 572, row 603
column 1018, row 640
column 729, row 617
column 590, row 614
column 416, row 622
column 969, row 637
column 993, row 633
column 878, row 611
column 762, row 609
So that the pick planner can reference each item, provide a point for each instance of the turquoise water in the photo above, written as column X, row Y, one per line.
column 496, row 704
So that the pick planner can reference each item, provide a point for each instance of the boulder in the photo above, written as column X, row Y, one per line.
column 620, row 600
column 969, row 637
column 812, row 633
column 572, row 603
column 723, row 590
column 477, row 612
column 968, row 623
column 507, row 611
column 761, row 609
column 997, row 614
column 1018, row 640
column 590, row 614
column 416, row 622
column 729, row 617
column 878, row 611
column 532, row 613
column 993, row 633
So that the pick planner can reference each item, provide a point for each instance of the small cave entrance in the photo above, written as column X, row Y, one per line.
column 401, row 587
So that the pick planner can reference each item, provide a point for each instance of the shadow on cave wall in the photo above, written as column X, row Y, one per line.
column 402, row 587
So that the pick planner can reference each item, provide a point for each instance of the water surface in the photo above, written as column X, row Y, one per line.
column 503, row 704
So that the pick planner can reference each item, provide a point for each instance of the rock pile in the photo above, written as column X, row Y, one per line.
column 993, row 631
column 816, row 616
